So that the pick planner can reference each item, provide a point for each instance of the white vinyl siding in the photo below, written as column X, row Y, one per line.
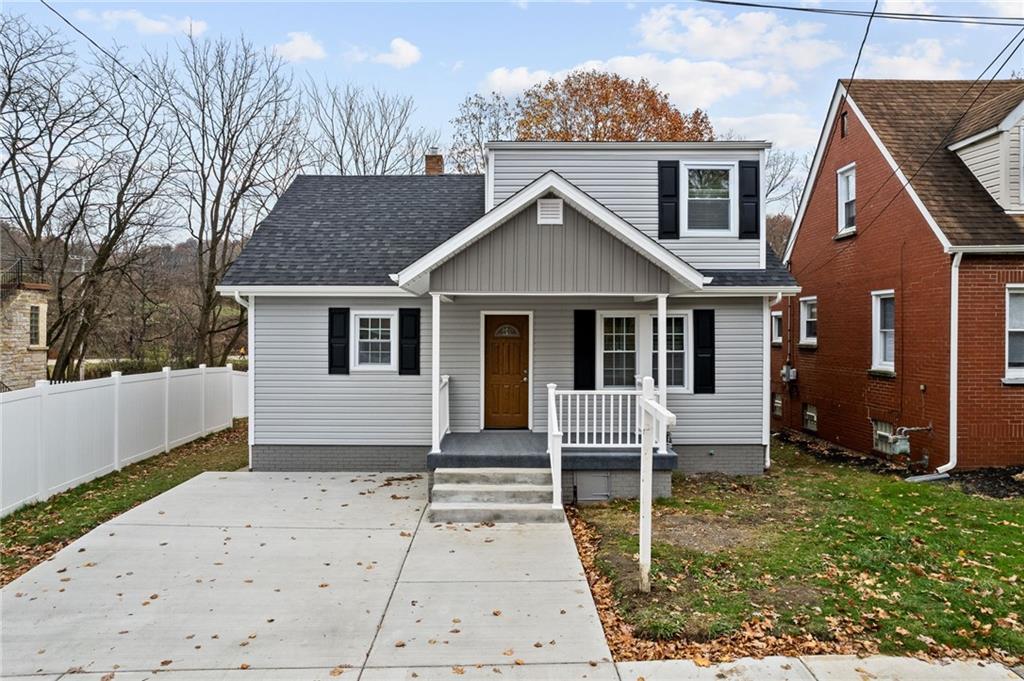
column 298, row 402
column 626, row 181
column 984, row 159
column 1016, row 161
column 883, row 330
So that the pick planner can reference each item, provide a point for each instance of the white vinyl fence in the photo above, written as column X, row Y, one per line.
column 55, row 437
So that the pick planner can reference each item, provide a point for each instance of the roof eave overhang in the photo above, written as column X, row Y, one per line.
column 986, row 248
column 313, row 290
column 733, row 145
column 415, row 277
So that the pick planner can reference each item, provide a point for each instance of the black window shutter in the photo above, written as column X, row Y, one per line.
column 337, row 340
column 584, row 349
column 409, row 341
column 704, row 351
column 750, row 200
column 668, row 199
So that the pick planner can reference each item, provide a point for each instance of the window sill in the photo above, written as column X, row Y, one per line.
column 808, row 345
column 374, row 370
column 882, row 372
column 777, row 343
column 845, row 234
column 38, row 347
column 1013, row 380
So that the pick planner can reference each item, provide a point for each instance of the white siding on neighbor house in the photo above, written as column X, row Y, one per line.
column 298, row 402
column 984, row 159
column 626, row 181
column 577, row 256
column 1015, row 170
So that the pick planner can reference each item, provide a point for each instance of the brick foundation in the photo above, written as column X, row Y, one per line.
column 326, row 458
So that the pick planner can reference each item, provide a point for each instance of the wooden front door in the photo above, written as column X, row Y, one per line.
column 506, row 371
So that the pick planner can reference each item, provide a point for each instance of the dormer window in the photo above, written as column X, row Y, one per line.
column 847, row 194
column 710, row 198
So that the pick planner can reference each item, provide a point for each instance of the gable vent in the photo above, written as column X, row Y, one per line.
column 549, row 211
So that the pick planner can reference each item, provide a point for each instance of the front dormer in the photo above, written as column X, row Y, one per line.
column 992, row 150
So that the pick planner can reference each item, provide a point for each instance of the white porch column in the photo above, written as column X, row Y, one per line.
column 435, row 374
column 662, row 434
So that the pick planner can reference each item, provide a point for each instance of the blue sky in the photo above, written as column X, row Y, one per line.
column 764, row 74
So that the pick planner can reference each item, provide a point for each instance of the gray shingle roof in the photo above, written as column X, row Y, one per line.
column 774, row 274
column 355, row 230
column 329, row 230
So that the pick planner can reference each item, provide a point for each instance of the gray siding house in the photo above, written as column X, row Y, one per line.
column 444, row 321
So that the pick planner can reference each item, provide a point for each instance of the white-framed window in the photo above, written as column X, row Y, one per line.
column 374, row 340
column 846, row 178
column 710, row 206
column 677, row 350
column 1015, row 331
column 37, row 326
column 777, row 327
column 810, row 417
column 881, row 431
column 777, row 404
column 618, row 354
column 883, row 330
column 809, row 320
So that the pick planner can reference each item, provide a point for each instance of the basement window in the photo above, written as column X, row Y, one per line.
column 881, row 432
column 777, row 404
column 811, row 417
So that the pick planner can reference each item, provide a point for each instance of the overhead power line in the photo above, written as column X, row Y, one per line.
column 941, row 144
column 979, row 20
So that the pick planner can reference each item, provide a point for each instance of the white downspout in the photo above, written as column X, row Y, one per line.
column 954, row 352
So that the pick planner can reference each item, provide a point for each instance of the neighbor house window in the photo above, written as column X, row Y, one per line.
column 777, row 404
column 810, row 417
column 1015, row 331
column 777, row 328
column 374, row 346
column 843, row 125
column 675, row 350
column 883, row 326
column 709, row 195
column 618, row 352
column 847, row 178
column 882, row 431
column 34, row 316
column 809, row 320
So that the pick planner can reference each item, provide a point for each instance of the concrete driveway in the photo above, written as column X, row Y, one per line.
column 304, row 576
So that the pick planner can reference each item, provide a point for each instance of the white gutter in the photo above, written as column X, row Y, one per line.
column 954, row 352
column 238, row 299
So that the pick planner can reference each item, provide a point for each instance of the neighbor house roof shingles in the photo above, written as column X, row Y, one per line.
column 913, row 118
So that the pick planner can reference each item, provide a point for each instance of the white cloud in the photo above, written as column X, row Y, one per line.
column 1005, row 8
column 688, row 84
column 756, row 37
column 922, row 59
column 111, row 19
column 787, row 130
column 355, row 54
column 907, row 7
column 300, row 47
column 457, row 66
column 401, row 55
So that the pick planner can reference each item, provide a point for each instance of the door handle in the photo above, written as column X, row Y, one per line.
column 526, row 376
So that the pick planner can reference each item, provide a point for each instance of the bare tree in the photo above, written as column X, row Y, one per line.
column 364, row 132
column 481, row 119
column 236, row 113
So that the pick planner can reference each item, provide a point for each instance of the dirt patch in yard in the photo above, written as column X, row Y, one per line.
column 998, row 483
column 705, row 533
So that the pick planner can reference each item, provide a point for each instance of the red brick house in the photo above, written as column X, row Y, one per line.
column 910, row 233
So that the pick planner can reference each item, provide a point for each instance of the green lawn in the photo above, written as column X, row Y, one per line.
column 831, row 550
column 32, row 534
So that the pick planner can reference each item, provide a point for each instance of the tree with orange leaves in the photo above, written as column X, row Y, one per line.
column 604, row 107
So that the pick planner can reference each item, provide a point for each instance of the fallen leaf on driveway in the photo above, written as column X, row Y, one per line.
column 399, row 644
column 337, row 671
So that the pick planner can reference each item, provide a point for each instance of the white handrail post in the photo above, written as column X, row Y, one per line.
column 646, row 474
column 42, row 489
column 435, row 373
column 116, row 377
column 662, row 369
column 552, row 409
column 554, row 448
column 167, row 408
column 202, row 399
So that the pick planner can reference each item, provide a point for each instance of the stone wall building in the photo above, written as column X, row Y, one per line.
column 23, row 348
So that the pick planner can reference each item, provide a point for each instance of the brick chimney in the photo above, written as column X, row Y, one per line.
column 434, row 162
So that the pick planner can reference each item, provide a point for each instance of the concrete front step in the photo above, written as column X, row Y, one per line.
column 468, row 512
column 490, row 493
column 492, row 476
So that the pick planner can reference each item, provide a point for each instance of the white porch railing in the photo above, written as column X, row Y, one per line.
column 443, row 408
column 600, row 419
column 554, row 449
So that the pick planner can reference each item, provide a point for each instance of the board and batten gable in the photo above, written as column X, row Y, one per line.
column 522, row 256
column 297, row 402
column 625, row 180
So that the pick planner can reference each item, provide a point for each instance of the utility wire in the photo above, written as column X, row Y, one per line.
column 102, row 49
column 979, row 20
column 941, row 144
